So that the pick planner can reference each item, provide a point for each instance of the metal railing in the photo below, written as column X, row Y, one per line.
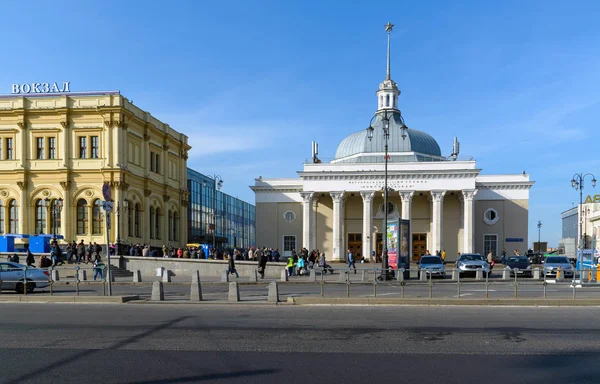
column 22, row 285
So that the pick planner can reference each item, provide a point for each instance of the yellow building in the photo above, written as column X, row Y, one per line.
column 68, row 146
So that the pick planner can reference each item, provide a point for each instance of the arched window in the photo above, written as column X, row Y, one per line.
column 152, row 219
column 387, row 100
column 157, row 222
column 381, row 101
column 130, row 220
column 175, row 226
column 137, row 220
column 13, row 217
column 82, row 217
column 395, row 101
column 56, row 220
column 170, row 227
column 40, row 216
column 1, row 218
column 97, row 217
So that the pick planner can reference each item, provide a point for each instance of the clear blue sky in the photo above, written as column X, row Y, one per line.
column 253, row 83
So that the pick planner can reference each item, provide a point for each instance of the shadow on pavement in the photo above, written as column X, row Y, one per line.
column 214, row 376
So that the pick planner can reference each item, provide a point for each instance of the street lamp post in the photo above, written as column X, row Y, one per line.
column 385, row 119
column 218, row 184
column 539, row 225
column 577, row 183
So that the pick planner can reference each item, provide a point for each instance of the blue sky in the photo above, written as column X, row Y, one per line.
column 252, row 83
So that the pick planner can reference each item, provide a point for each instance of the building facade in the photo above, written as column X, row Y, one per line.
column 65, row 148
column 338, row 205
column 215, row 217
column 588, row 234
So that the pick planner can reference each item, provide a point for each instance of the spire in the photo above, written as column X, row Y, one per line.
column 387, row 95
column 388, row 28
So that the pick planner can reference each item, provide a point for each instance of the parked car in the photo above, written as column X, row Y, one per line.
column 12, row 275
column 552, row 263
column 471, row 262
column 521, row 264
column 432, row 265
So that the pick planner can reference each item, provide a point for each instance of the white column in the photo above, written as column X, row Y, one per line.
column 367, row 232
column 313, row 224
column 468, row 219
column 407, row 215
column 437, row 212
column 338, row 219
column 307, row 205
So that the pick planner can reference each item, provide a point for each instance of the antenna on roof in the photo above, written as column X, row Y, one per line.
column 455, row 149
column 315, row 152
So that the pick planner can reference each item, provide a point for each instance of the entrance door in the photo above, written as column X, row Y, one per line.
column 419, row 246
column 355, row 245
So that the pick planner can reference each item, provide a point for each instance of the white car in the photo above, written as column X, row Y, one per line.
column 13, row 274
column 471, row 262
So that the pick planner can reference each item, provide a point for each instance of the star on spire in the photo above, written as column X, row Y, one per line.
column 388, row 27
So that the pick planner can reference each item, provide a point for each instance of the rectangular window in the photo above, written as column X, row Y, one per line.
column 83, row 147
column 40, row 148
column 289, row 243
column 1, row 219
column 157, row 163
column 152, row 161
column 490, row 244
column 95, row 147
column 52, row 148
column 9, row 148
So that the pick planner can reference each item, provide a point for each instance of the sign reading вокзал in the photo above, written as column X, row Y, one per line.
column 41, row 88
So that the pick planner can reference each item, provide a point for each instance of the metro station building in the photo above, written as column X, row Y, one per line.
column 338, row 205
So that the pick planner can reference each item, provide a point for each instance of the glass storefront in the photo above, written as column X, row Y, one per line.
column 230, row 222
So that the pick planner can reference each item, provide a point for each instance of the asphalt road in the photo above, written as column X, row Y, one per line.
column 174, row 343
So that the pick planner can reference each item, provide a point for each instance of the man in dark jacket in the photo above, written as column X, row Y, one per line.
column 276, row 255
column 262, row 262
column 231, row 268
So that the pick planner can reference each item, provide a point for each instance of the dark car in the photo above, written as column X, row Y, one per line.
column 521, row 264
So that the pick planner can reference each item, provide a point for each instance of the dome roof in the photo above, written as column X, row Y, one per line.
column 417, row 146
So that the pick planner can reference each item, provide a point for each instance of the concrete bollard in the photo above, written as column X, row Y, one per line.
column 424, row 276
column 158, row 294
column 284, row 275
column 413, row 274
column 505, row 274
column 343, row 276
column 234, row 292
column 312, row 275
column 536, row 274
column 225, row 277
column 137, row 276
column 400, row 274
column 55, row 276
column 166, row 277
column 196, row 287
column 479, row 274
column 455, row 275
column 363, row 278
column 82, row 275
column 253, row 276
column 273, row 292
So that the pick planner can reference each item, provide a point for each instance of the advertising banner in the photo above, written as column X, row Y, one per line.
column 404, row 239
column 393, row 228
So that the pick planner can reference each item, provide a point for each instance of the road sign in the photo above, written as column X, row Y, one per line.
column 106, row 192
column 108, row 206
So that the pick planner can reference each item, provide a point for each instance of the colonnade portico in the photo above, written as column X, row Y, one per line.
column 338, row 198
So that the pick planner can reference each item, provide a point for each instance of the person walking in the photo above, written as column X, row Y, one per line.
column 262, row 262
column 504, row 256
column 490, row 260
column 351, row 261
column 231, row 264
column 323, row 264
column 98, row 267
column 290, row 266
column 30, row 260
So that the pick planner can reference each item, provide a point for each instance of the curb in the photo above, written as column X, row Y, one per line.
column 448, row 302
column 68, row 299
